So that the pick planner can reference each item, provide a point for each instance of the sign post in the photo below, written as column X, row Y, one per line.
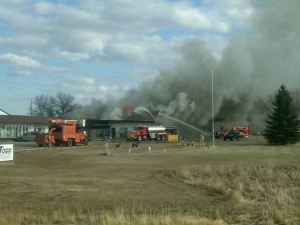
column 6, row 152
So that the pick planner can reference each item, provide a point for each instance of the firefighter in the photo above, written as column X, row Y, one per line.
column 202, row 140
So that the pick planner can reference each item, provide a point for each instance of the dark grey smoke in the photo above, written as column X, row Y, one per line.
column 255, row 63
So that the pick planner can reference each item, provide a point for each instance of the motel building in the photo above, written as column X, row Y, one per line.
column 13, row 126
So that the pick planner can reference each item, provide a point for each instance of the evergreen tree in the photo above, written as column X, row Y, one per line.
column 283, row 125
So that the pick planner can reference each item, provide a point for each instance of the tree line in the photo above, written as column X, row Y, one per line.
column 53, row 106
column 282, row 110
column 264, row 105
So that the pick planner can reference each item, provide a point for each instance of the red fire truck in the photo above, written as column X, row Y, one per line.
column 244, row 131
column 150, row 132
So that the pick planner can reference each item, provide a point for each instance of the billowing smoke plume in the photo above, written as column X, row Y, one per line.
column 255, row 63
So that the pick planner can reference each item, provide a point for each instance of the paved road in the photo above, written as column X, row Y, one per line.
column 30, row 145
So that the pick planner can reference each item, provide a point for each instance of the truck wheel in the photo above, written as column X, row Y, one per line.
column 49, row 144
column 86, row 141
column 40, row 145
column 70, row 143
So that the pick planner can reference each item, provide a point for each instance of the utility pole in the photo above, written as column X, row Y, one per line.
column 212, row 107
column 31, row 113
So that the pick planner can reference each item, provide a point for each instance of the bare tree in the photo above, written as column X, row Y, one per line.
column 49, row 106
column 265, row 106
column 40, row 105
column 296, row 96
column 64, row 103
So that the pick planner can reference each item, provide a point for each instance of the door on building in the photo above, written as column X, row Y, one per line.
column 113, row 132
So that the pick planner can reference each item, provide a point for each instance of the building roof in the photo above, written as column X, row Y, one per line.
column 12, row 119
column 133, row 118
column 2, row 112
column 149, row 117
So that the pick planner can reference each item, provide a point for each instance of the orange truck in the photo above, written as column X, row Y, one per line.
column 62, row 132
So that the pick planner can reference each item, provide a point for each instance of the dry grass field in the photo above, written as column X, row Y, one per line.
column 245, row 182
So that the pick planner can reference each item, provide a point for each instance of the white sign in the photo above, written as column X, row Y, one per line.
column 6, row 152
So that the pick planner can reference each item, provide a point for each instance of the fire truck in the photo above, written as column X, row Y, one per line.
column 243, row 130
column 61, row 131
column 220, row 134
column 150, row 132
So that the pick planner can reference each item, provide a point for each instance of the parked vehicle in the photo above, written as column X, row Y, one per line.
column 244, row 132
column 144, row 132
column 62, row 132
column 28, row 136
column 150, row 132
column 220, row 134
column 233, row 135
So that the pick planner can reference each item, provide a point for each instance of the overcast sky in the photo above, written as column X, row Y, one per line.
column 95, row 48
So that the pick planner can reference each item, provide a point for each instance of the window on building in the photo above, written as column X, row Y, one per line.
column 123, row 130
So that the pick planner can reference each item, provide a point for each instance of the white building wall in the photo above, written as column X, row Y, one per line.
column 14, row 131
